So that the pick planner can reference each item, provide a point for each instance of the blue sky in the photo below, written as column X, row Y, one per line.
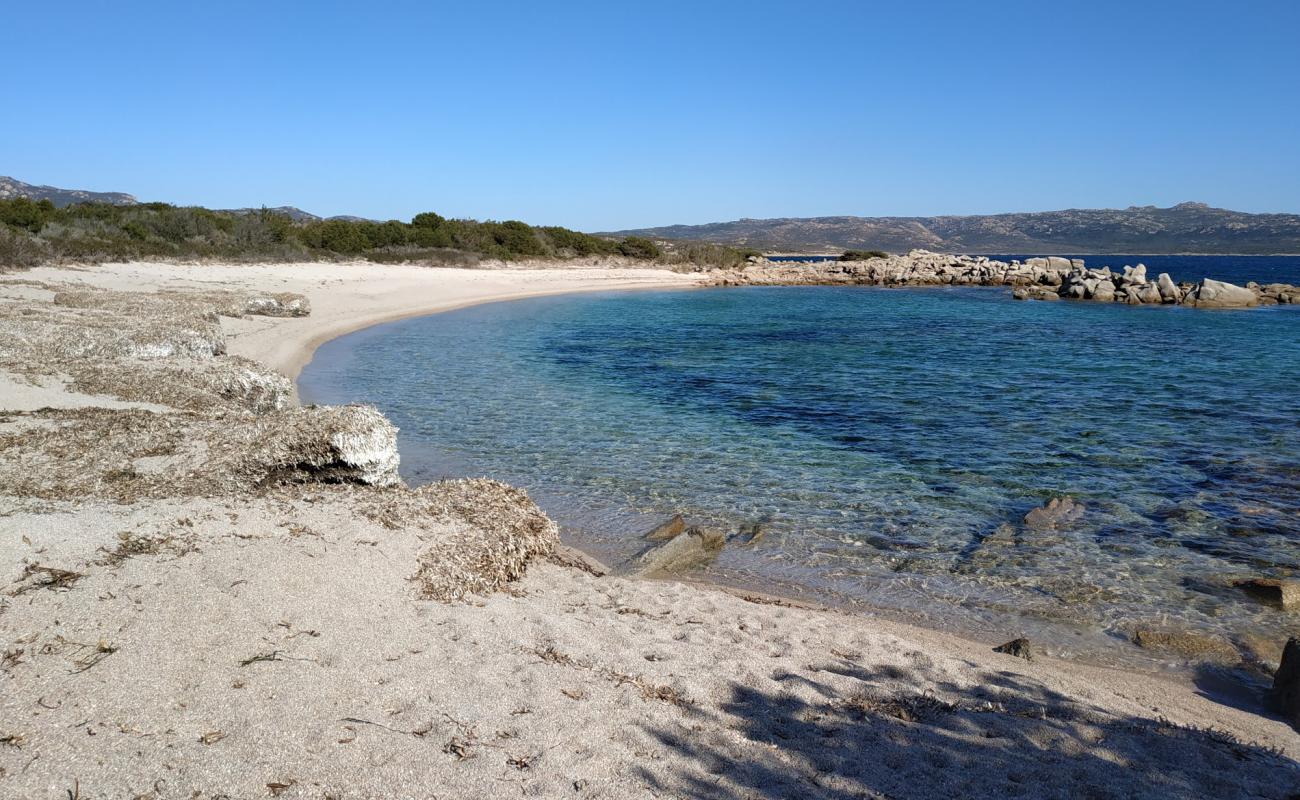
column 609, row 115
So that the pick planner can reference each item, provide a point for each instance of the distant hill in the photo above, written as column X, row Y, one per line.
column 292, row 212
column 1184, row 228
column 11, row 188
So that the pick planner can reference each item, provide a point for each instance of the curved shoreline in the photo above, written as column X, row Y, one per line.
column 945, row 622
column 230, row 631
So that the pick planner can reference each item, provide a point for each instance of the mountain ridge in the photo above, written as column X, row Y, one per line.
column 11, row 188
column 1185, row 228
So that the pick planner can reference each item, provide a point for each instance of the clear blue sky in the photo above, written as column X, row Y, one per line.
column 611, row 114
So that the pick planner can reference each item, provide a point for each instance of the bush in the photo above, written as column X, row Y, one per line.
column 18, row 250
column 862, row 255
column 30, row 215
column 639, row 247
column 100, row 231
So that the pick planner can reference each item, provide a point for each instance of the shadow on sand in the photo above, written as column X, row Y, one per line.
column 858, row 734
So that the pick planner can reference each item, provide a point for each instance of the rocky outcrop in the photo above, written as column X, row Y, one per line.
column 1048, row 278
column 1217, row 294
column 1285, row 696
column 1020, row 648
column 917, row 268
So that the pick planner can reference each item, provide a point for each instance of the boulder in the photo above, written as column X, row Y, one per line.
column 1169, row 293
column 1285, row 696
column 696, row 547
column 1284, row 593
column 1020, row 648
column 1058, row 511
column 1136, row 274
column 1147, row 293
column 1104, row 291
column 1217, row 294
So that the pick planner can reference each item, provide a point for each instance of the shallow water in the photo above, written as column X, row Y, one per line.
column 882, row 437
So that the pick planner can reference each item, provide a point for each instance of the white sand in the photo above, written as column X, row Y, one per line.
column 129, row 682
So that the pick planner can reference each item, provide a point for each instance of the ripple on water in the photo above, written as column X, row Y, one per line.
column 889, row 440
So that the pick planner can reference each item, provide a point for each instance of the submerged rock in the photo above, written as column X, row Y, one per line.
column 750, row 534
column 667, row 530
column 1284, row 593
column 1020, row 648
column 1191, row 646
column 696, row 547
column 1058, row 511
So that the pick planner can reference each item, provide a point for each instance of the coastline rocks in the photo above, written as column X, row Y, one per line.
column 1044, row 278
column 1056, row 512
column 1283, row 593
column 694, row 548
column 667, row 530
column 1285, row 695
column 1020, row 648
column 1217, row 294
column 1037, row 292
column 1169, row 292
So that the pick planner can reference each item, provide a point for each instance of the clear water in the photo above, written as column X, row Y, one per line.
column 880, row 435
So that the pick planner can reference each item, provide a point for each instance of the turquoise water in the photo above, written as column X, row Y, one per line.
column 881, row 436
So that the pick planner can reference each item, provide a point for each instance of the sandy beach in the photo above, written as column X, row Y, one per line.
column 191, row 610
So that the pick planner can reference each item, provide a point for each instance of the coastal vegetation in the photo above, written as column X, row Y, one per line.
column 37, row 231
column 862, row 255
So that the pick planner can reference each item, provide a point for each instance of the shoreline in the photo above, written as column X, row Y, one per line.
column 256, row 640
column 1137, row 662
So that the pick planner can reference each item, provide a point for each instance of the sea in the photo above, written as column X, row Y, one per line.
column 889, row 442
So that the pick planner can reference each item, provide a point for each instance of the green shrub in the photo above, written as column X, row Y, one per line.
column 639, row 247
column 862, row 255
column 99, row 231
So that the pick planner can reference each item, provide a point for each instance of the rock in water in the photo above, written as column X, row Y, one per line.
column 668, row 530
column 1058, row 511
column 1020, row 648
column 1284, row 593
column 1190, row 646
column 1169, row 292
column 695, row 548
column 1285, row 697
column 750, row 534
column 1217, row 294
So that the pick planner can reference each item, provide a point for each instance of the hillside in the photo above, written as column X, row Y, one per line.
column 1184, row 228
column 11, row 188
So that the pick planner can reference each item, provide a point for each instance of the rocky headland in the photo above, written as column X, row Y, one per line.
column 1048, row 278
